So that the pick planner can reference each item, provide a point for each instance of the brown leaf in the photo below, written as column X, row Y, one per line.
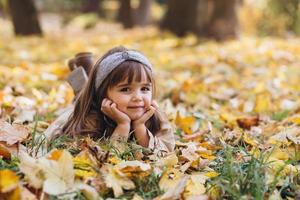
column 12, row 134
column 247, row 122
column 7, row 150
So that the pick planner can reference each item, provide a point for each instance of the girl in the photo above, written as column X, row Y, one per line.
column 118, row 101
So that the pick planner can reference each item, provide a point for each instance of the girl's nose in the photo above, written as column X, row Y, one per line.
column 137, row 96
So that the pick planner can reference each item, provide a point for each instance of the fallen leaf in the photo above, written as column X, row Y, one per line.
column 176, row 191
column 9, row 181
column 185, row 123
column 116, row 180
column 7, row 150
column 198, row 135
column 89, row 192
column 168, row 161
column 58, row 171
column 32, row 170
column 133, row 168
column 263, row 102
column 195, row 186
column 170, row 178
column 247, row 122
column 212, row 174
column 84, row 165
column 12, row 134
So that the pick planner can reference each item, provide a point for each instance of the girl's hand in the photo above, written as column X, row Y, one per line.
column 110, row 109
column 147, row 115
column 140, row 130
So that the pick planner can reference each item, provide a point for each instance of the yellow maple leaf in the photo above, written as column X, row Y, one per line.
column 263, row 102
column 214, row 192
column 55, row 154
column 116, row 180
column 295, row 120
column 83, row 167
column 185, row 123
column 170, row 179
column 9, row 181
column 58, row 171
column 113, row 159
column 279, row 154
column 207, row 155
column 168, row 161
column 249, row 140
column 194, row 186
column 133, row 168
column 229, row 119
column 212, row 174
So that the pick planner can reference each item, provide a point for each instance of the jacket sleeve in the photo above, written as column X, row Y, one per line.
column 164, row 139
column 56, row 127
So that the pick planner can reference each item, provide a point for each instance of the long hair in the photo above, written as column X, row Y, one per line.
column 87, row 117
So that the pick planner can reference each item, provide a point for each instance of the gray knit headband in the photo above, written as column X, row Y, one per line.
column 108, row 64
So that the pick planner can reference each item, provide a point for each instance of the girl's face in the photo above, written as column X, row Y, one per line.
column 132, row 98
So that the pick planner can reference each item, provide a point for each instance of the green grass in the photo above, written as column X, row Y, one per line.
column 12, row 164
column 279, row 116
column 38, row 142
column 239, row 179
column 127, row 151
column 246, row 179
column 76, row 195
column 148, row 188
column 61, row 142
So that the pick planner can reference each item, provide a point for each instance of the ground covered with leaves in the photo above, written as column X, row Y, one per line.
column 235, row 106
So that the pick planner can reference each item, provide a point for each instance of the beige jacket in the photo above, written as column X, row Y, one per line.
column 164, row 140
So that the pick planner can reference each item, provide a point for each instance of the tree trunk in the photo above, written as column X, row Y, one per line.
column 92, row 6
column 181, row 16
column 24, row 17
column 209, row 18
column 143, row 13
column 223, row 23
column 125, row 15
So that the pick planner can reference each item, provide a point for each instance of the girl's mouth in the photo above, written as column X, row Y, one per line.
column 136, row 107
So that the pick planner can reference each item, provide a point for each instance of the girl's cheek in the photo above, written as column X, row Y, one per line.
column 147, row 102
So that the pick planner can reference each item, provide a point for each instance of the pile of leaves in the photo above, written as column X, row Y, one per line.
column 235, row 106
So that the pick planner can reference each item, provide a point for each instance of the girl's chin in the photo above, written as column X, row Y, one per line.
column 135, row 116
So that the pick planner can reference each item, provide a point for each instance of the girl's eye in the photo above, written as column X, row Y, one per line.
column 146, row 88
column 126, row 89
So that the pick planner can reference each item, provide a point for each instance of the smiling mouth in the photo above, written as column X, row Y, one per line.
column 136, row 107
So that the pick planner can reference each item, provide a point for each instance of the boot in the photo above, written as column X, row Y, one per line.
column 85, row 60
column 80, row 66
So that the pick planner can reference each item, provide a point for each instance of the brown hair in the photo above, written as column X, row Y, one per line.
column 87, row 117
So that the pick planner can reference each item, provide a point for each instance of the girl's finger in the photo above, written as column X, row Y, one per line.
column 103, row 102
column 154, row 103
column 147, row 105
column 108, row 103
column 149, row 113
column 113, row 107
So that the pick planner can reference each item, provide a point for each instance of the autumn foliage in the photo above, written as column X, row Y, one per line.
column 235, row 106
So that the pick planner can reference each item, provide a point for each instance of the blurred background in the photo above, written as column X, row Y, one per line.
column 227, row 74
column 215, row 55
column 216, row 19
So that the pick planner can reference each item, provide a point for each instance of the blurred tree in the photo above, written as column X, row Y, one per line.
column 125, row 15
column 181, row 16
column 129, row 17
column 209, row 18
column 2, row 8
column 223, row 22
column 24, row 17
column 92, row 6
column 143, row 13
column 290, row 10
